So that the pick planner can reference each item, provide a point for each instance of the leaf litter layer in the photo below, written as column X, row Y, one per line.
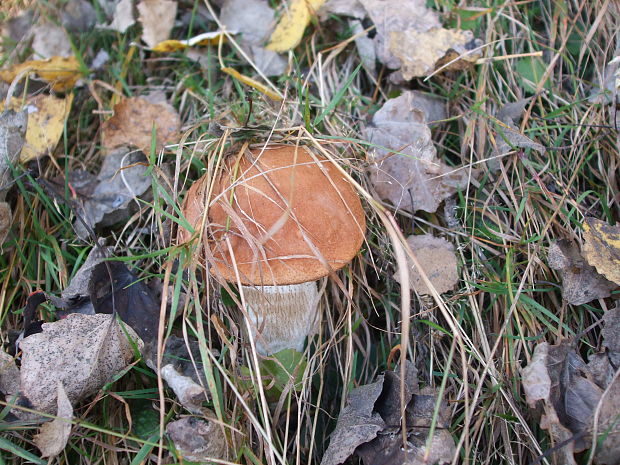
column 524, row 150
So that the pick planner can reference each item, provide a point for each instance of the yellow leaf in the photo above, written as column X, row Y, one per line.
column 292, row 24
column 61, row 72
column 602, row 248
column 46, row 122
column 208, row 38
column 252, row 83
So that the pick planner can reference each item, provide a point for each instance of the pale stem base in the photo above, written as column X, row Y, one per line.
column 281, row 317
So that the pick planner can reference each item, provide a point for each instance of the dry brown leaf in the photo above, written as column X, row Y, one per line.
column 558, row 379
column 61, row 72
column 375, row 408
column 123, row 16
column 133, row 121
column 50, row 40
column 254, row 20
column 53, row 436
column 9, row 375
column 157, row 18
column 12, row 133
column 83, row 352
column 292, row 24
column 602, row 248
column 198, row 440
column 410, row 37
column 46, row 121
column 352, row 8
column 405, row 170
column 112, row 195
column 438, row 260
column 433, row 49
column 580, row 281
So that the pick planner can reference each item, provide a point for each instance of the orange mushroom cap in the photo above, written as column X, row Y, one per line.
column 288, row 215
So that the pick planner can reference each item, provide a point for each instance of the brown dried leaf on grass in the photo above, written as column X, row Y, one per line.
column 133, row 121
column 9, row 375
column 50, row 40
column 405, row 170
column 254, row 20
column 410, row 37
column 53, row 436
column 437, row 258
column 580, row 281
column 199, row 440
column 157, row 18
column 83, row 352
column 369, row 425
column 123, row 17
column 602, row 248
column 112, row 195
column 12, row 133
column 558, row 379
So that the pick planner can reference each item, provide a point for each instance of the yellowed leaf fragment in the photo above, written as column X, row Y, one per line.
column 602, row 248
column 46, row 122
column 433, row 48
column 292, row 24
column 263, row 89
column 208, row 38
column 61, row 72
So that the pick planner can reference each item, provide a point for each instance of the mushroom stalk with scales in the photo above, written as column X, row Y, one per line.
column 279, row 218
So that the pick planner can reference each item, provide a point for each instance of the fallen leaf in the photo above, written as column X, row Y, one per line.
column 198, row 440
column 365, row 46
column 611, row 335
column 580, row 282
column 410, row 37
column 12, row 134
column 78, row 15
column 369, row 425
column 123, row 17
column 50, row 40
column 292, row 24
column 602, row 248
column 13, row 127
column 352, row 8
column 508, row 135
column 183, row 372
column 263, row 89
column 115, row 289
column 157, row 18
column 133, row 121
column 114, row 193
column 54, row 435
column 46, row 122
column 357, row 424
column 254, row 21
column 433, row 49
column 83, row 352
column 437, row 258
column 404, row 168
column 207, row 38
column 75, row 298
column 9, row 375
column 558, row 379
column 61, row 72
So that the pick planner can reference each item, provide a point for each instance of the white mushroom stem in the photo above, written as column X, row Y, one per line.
column 281, row 317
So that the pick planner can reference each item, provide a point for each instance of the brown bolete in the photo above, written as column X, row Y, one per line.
column 278, row 219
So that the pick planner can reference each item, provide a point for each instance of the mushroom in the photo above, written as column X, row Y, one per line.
column 279, row 218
